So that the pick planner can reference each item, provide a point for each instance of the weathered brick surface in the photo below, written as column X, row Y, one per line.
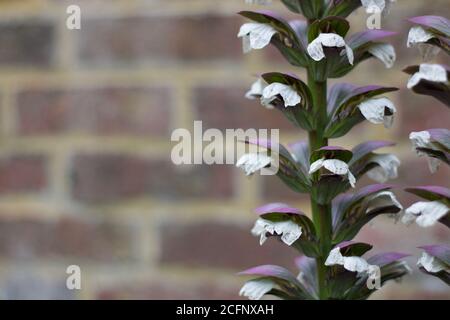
column 22, row 173
column 190, row 38
column 77, row 107
column 219, row 245
column 26, row 43
column 103, row 177
column 104, row 111
column 65, row 238
column 167, row 291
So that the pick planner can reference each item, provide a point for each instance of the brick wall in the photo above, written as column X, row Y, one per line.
column 85, row 171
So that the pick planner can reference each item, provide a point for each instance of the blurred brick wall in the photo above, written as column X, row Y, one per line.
column 85, row 171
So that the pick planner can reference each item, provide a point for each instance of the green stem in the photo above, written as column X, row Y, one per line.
column 321, row 213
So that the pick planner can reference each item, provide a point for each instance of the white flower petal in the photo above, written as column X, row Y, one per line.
column 430, row 72
column 335, row 166
column 252, row 162
column 373, row 6
column 387, row 168
column 315, row 48
column 258, row 2
column 288, row 230
column 352, row 264
column 289, row 94
column 316, row 165
column 256, row 35
column 383, row 198
column 425, row 213
column 256, row 89
column 417, row 35
column 383, row 52
column 422, row 139
column 356, row 264
column 334, row 257
column 378, row 110
column 256, row 289
column 431, row 264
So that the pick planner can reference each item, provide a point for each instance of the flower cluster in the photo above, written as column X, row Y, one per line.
column 331, row 265
column 431, row 35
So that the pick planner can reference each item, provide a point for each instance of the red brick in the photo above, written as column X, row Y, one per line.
column 421, row 175
column 26, row 43
column 219, row 245
column 98, row 111
column 132, row 40
column 166, row 291
column 22, row 173
column 227, row 108
column 64, row 238
column 109, row 177
column 275, row 190
column 419, row 112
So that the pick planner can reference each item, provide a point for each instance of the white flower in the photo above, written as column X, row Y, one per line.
column 378, row 110
column 335, row 166
column 425, row 213
column 352, row 264
column 289, row 95
column 422, row 139
column 252, row 162
column 384, row 52
column 256, row 35
column 256, row 92
column 315, row 48
column 288, row 230
column 373, row 6
column 432, row 264
column 419, row 37
column 256, row 289
column 430, row 72
column 383, row 198
column 387, row 168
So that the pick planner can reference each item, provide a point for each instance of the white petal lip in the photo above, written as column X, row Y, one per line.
column 290, row 96
column 387, row 168
column 417, row 34
column 256, row 289
column 431, row 264
column 256, row 35
column 386, row 197
column 430, row 72
column 384, row 52
column 315, row 48
column 252, row 162
column 288, row 230
column 256, row 89
column 335, row 166
column 374, row 110
column 373, row 6
column 422, row 139
column 352, row 264
column 425, row 213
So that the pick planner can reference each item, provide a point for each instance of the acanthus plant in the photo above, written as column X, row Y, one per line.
column 331, row 265
column 431, row 34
